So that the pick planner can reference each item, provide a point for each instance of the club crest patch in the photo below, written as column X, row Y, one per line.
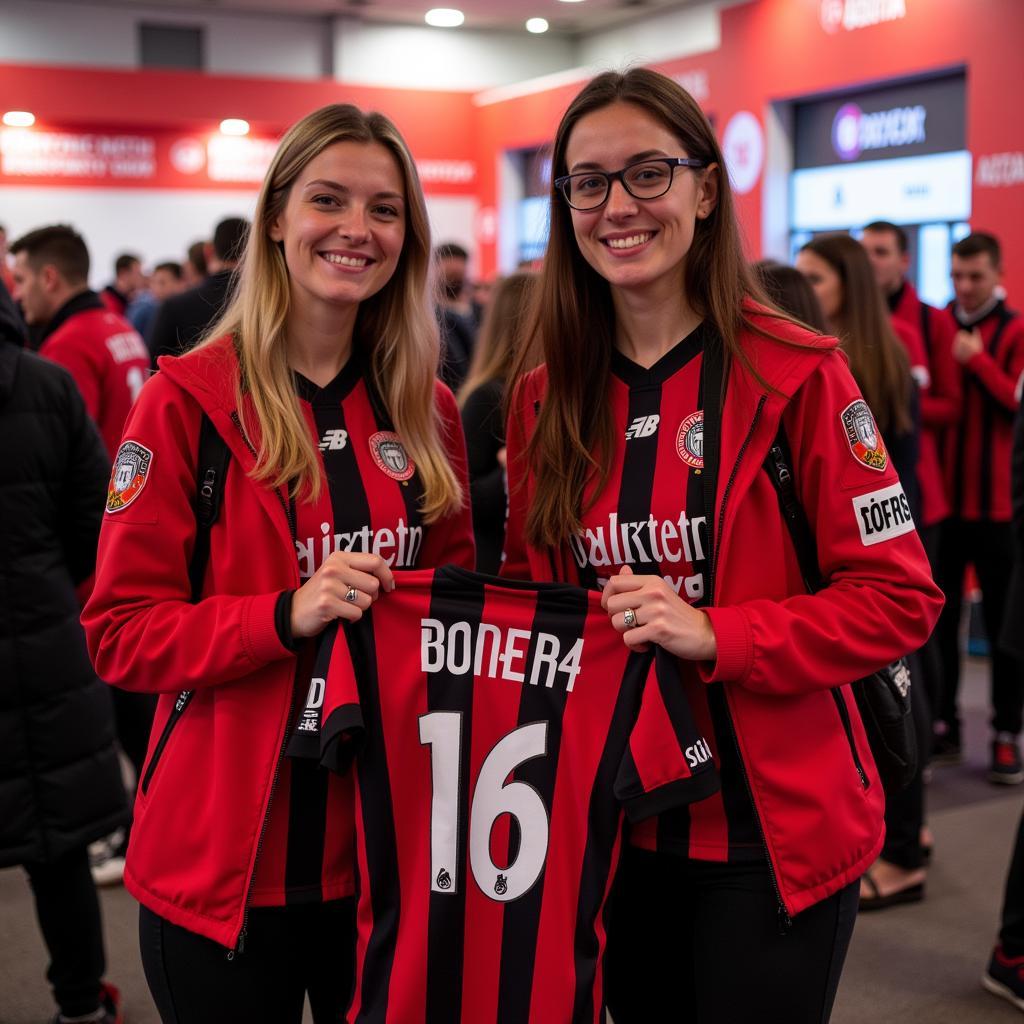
column 865, row 442
column 129, row 475
column 389, row 454
column 690, row 440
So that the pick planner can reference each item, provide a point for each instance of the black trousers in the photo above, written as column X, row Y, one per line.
column 1011, row 934
column 904, row 811
column 731, row 959
column 289, row 952
column 990, row 547
column 68, row 912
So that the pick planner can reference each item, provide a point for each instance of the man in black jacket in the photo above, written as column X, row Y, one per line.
column 60, row 781
column 182, row 319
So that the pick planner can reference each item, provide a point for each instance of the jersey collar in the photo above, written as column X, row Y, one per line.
column 637, row 376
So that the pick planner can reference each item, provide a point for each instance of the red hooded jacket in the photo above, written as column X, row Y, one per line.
column 196, row 830
column 781, row 650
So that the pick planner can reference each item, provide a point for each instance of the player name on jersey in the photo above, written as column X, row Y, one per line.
column 521, row 656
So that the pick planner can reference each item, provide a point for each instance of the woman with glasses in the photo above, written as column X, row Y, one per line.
column 636, row 459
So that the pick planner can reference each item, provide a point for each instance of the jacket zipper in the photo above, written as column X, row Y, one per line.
column 183, row 700
column 844, row 717
column 239, row 946
column 785, row 921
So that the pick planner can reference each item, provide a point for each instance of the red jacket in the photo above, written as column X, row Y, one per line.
column 780, row 650
column 941, row 397
column 108, row 359
column 194, row 839
column 977, row 455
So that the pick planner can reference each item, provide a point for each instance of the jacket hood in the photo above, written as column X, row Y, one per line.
column 208, row 373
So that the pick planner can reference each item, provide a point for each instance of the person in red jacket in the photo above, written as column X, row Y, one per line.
column 346, row 464
column 629, row 471
column 989, row 347
column 102, row 351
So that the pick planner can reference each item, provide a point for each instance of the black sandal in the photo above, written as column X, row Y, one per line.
column 876, row 901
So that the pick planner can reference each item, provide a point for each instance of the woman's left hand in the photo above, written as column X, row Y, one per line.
column 661, row 617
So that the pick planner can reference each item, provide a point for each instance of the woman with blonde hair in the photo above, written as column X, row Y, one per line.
column 637, row 459
column 270, row 482
column 482, row 400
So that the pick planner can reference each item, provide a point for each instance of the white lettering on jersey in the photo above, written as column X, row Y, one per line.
column 642, row 426
column 127, row 345
column 333, row 440
column 399, row 547
column 496, row 653
column 310, row 720
column 698, row 754
column 882, row 515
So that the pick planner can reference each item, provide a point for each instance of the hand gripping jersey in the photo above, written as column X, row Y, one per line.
column 499, row 732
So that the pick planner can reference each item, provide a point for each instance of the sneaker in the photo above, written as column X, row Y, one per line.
column 106, row 865
column 1005, row 977
column 1007, row 769
column 108, row 1012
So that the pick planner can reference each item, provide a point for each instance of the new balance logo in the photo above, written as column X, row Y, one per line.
column 333, row 440
column 642, row 426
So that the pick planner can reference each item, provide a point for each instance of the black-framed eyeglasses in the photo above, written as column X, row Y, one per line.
column 646, row 179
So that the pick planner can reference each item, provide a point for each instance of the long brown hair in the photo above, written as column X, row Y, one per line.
column 502, row 332
column 396, row 326
column 575, row 323
column 878, row 359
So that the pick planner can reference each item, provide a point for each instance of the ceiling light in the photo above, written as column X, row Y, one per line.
column 19, row 119
column 537, row 25
column 234, row 126
column 572, row 1
column 444, row 17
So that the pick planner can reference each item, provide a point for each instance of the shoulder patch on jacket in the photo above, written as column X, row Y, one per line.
column 865, row 441
column 882, row 515
column 129, row 475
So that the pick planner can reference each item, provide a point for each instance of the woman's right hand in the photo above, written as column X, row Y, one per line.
column 322, row 598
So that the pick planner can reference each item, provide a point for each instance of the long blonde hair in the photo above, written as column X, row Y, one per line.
column 395, row 327
column 504, row 330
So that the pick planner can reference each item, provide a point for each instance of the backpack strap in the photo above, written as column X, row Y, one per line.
column 211, row 470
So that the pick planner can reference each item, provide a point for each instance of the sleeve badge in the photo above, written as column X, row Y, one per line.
column 129, row 475
column 865, row 441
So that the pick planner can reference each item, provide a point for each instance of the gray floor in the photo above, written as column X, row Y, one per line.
column 908, row 964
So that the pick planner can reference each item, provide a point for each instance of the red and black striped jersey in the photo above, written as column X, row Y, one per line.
column 500, row 732
column 370, row 504
column 650, row 516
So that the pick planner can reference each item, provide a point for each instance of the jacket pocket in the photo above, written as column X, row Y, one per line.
column 844, row 717
column 183, row 700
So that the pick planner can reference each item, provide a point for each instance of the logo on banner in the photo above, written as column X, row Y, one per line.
column 188, row 156
column 855, row 14
column 129, row 475
column 865, row 442
column 743, row 149
column 690, row 440
column 390, row 456
column 853, row 131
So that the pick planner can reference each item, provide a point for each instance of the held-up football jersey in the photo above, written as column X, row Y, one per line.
column 499, row 733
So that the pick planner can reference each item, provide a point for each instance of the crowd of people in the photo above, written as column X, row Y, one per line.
column 309, row 406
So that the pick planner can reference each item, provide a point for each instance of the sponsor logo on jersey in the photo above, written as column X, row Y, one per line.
column 882, row 515
column 399, row 547
column 309, row 720
column 690, row 440
column 333, row 440
column 865, row 442
column 390, row 456
column 129, row 475
column 642, row 426
column 488, row 651
column 698, row 754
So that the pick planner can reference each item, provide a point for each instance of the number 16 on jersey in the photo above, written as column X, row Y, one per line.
column 442, row 732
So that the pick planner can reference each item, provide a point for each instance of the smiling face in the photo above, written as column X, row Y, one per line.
column 636, row 244
column 343, row 226
column 826, row 282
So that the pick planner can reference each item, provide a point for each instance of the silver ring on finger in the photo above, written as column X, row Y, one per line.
column 629, row 618
column 352, row 596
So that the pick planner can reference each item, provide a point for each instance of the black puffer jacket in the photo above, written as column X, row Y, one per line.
column 60, row 783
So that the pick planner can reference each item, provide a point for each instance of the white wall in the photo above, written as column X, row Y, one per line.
column 434, row 58
column 96, row 35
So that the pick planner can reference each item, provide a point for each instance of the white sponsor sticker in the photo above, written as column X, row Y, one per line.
column 882, row 515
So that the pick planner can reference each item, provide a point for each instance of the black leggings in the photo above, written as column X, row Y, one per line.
column 289, row 952
column 732, row 958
